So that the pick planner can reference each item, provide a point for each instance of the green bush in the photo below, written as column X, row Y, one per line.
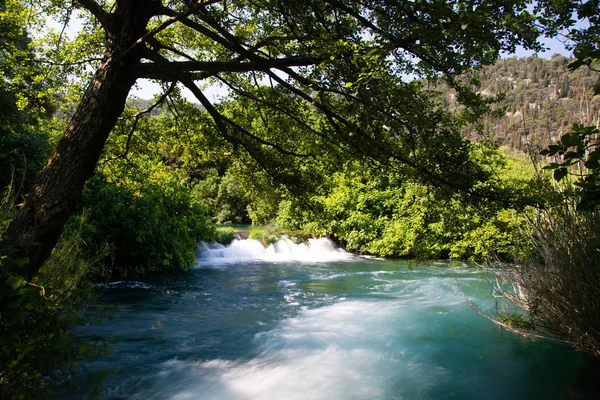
column 38, row 351
column 155, row 228
column 224, row 235
column 263, row 235
column 382, row 214
column 223, row 197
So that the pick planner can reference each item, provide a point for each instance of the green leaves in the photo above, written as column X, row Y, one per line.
column 153, row 222
column 593, row 160
column 384, row 214
column 15, row 282
column 560, row 173
column 597, row 88
column 572, row 139
column 578, row 147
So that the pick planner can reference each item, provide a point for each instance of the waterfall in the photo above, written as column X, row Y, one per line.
column 283, row 250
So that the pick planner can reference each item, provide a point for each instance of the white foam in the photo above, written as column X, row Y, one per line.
column 284, row 250
column 332, row 352
column 351, row 349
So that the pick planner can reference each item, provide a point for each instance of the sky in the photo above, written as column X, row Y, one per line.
column 553, row 46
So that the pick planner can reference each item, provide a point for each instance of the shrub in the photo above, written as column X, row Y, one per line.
column 224, row 235
column 223, row 197
column 559, row 287
column 387, row 216
column 264, row 236
column 155, row 228
column 37, row 348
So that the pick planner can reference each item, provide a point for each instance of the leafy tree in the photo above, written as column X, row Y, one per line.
column 319, row 52
column 579, row 148
column 25, row 103
column 385, row 215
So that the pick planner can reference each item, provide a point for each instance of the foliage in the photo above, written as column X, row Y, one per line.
column 185, row 145
column 25, row 103
column 269, row 234
column 21, row 76
column 223, row 197
column 557, row 16
column 264, row 236
column 261, row 193
column 579, row 148
column 559, row 284
column 144, row 199
column 386, row 215
column 351, row 66
column 231, row 202
column 340, row 93
column 36, row 348
column 38, row 351
column 143, row 207
column 224, row 235
column 153, row 227
column 23, row 150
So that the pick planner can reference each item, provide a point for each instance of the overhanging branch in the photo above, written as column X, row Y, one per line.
column 137, row 118
column 104, row 17
column 288, row 113
column 222, row 120
column 173, row 17
column 172, row 70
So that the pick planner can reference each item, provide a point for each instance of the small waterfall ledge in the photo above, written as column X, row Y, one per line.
column 283, row 250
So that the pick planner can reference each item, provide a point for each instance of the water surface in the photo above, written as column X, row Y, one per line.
column 297, row 322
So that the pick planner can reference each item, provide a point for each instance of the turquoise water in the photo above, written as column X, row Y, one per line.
column 250, row 324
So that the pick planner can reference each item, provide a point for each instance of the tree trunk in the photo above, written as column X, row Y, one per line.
column 41, row 219
column 39, row 224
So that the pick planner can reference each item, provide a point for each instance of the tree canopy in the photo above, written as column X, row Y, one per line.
column 352, row 62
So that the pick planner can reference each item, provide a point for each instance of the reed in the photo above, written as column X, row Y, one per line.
column 558, row 285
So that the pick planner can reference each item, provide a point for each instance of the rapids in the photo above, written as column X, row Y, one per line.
column 311, row 321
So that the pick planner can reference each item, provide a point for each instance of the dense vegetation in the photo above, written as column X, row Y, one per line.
column 346, row 146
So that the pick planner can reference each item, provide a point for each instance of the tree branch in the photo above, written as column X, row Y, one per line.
column 210, row 34
column 158, row 45
column 220, row 120
column 172, row 70
column 277, row 174
column 174, row 17
column 104, row 17
column 137, row 118
column 288, row 113
column 82, row 62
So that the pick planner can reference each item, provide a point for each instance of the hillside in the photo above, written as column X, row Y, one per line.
column 543, row 99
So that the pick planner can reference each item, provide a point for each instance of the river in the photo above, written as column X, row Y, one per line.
column 299, row 322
